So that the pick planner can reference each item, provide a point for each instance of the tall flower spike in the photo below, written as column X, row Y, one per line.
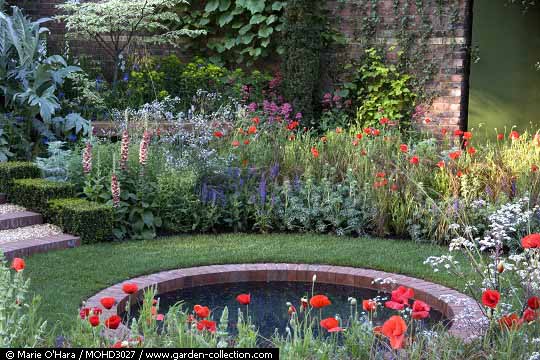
column 87, row 159
column 115, row 190
column 124, row 150
column 143, row 149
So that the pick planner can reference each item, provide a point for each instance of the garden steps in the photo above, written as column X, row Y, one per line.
column 19, row 219
column 29, row 247
column 23, row 233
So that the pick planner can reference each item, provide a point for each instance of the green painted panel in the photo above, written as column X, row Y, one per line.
column 505, row 85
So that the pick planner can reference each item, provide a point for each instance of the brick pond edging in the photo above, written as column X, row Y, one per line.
column 466, row 315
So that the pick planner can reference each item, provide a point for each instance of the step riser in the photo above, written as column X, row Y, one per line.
column 29, row 247
column 19, row 219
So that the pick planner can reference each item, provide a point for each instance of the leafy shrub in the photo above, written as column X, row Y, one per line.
column 178, row 201
column 91, row 221
column 302, row 36
column 10, row 171
column 34, row 194
column 380, row 91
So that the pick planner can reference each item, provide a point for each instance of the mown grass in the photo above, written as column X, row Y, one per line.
column 65, row 278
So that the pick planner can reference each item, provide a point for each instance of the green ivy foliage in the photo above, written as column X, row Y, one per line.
column 302, row 40
column 237, row 32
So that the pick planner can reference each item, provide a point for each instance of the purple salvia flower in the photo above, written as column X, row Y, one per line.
column 262, row 190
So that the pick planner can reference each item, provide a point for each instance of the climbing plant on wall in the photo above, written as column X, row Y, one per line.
column 302, row 40
column 408, row 35
column 237, row 32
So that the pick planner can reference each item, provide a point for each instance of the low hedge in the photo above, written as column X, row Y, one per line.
column 10, row 171
column 91, row 221
column 34, row 194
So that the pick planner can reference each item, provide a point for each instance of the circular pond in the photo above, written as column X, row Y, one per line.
column 268, row 309
column 273, row 285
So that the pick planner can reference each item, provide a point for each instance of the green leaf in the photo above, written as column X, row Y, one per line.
column 244, row 29
column 246, row 39
column 211, row 5
column 254, row 6
column 257, row 19
column 278, row 5
column 229, row 43
column 148, row 218
column 224, row 5
column 271, row 19
column 265, row 31
column 225, row 19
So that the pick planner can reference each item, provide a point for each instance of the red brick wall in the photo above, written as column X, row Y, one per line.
column 451, row 82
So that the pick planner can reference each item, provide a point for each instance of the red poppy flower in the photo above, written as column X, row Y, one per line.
column 420, row 310
column 458, row 132
column 369, row 305
column 96, row 311
column 113, row 322
column 529, row 315
column 534, row 303
column 130, row 288
column 500, row 136
column 454, row 155
column 414, row 160
column 218, row 134
column 235, row 143
column 94, row 320
column 384, row 121
column 534, row 168
column 531, row 241
column 84, row 312
column 256, row 120
column 441, row 164
column 292, row 125
column 427, row 120
column 459, row 173
column 471, row 150
column 514, row 135
column 400, row 298
column 395, row 329
column 377, row 330
column 444, row 131
column 244, row 299
column 467, row 135
column 359, row 136
column 246, row 142
column 510, row 322
column 376, row 132
column 18, row 264
column 202, row 311
column 315, row 152
column 107, row 302
column 206, row 325
column 403, row 148
column 380, row 175
column 319, row 301
column 490, row 298
column 329, row 323
column 252, row 130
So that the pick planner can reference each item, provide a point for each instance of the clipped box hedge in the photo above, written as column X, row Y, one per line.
column 91, row 221
column 12, row 170
column 34, row 194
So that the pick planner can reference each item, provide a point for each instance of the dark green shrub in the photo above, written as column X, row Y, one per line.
column 178, row 202
column 34, row 194
column 10, row 171
column 92, row 222
column 302, row 41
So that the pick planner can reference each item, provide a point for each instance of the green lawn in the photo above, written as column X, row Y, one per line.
column 65, row 278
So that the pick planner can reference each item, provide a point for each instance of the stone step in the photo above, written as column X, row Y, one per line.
column 19, row 219
column 25, row 248
column 3, row 198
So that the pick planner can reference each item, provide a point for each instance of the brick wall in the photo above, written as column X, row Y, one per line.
column 449, row 109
